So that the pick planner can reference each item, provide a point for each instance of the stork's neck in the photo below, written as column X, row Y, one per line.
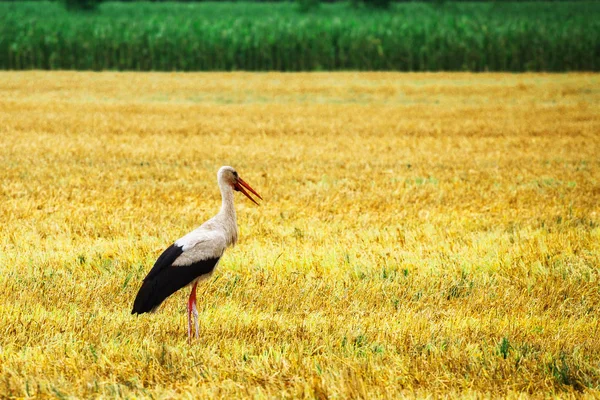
column 227, row 215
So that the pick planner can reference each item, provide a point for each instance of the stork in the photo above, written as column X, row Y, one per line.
column 194, row 256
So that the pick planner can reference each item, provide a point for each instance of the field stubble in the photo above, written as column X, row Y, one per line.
column 420, row 234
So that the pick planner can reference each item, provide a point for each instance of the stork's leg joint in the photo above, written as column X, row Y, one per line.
column 192, row 310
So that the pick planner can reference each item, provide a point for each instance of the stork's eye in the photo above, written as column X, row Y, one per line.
column 235, row 174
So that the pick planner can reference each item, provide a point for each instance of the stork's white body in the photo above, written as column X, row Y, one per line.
column 215, row 235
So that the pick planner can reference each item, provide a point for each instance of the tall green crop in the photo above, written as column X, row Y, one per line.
column 250, row 36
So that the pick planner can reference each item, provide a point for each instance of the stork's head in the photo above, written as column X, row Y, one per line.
column 229, row 176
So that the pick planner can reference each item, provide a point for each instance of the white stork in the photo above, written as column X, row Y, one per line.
column 194, row 256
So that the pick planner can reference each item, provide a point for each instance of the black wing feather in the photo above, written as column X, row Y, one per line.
column 165, row 260
column 164, row 279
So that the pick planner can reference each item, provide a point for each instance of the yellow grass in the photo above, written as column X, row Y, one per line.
column 421, row 234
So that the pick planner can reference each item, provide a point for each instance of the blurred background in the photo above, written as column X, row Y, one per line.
column 302, row 35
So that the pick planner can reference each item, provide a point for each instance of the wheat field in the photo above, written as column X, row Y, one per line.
column 422, row 235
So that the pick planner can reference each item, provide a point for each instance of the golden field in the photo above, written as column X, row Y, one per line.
column 422, row 235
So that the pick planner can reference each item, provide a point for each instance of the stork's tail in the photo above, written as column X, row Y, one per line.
column 146, row 300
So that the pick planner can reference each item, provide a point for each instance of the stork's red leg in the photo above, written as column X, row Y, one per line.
column 192, row 309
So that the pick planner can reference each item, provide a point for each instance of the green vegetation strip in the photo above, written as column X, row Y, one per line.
column 276, row 36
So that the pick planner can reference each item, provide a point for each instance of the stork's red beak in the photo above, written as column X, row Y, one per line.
column 241, row 184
